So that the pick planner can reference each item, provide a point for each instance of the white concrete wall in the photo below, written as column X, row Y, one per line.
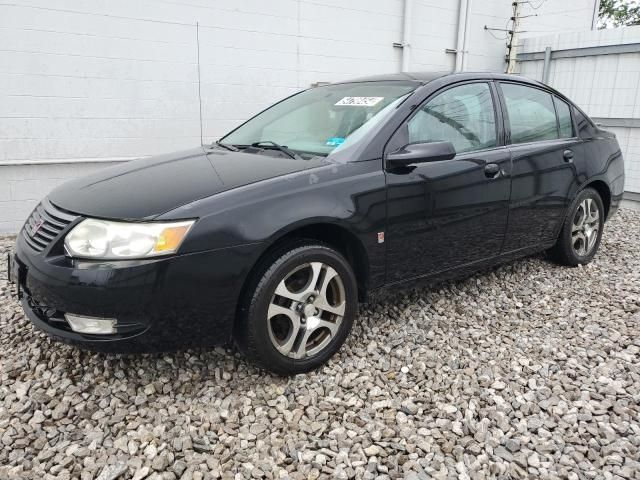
column 22, row 186
column 604, row 86
column 552, row 16
column 85, row 81
column 539, row 17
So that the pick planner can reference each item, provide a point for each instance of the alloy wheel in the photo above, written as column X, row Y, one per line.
column 585, row 227
column 306, row 310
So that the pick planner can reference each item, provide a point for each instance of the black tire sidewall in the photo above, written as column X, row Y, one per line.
column 256, row 314
column 569, row 251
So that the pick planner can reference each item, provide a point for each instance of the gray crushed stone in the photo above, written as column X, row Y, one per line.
column 530, row 370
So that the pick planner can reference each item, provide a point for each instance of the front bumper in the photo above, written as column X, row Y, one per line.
column 160, row 304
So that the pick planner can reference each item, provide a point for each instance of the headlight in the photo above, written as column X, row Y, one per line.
column 103, row 239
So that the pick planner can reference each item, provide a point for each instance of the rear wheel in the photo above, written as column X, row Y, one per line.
column 581, row 233
column 300, row 311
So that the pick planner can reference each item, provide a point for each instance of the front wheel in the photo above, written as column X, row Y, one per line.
column 300, row 309
column 581, row 233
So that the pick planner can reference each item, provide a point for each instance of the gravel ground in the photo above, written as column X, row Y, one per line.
column 529, row 370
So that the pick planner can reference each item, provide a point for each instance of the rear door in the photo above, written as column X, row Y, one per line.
column 541, row 137
column 448, row 213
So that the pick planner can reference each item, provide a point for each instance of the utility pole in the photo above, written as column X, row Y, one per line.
column 513, row 38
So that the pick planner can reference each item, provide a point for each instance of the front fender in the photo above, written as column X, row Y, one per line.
column 351, row 196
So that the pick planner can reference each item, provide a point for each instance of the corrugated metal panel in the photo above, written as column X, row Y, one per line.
column 605, row 83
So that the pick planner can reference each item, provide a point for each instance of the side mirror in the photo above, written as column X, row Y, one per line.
column 420, row 153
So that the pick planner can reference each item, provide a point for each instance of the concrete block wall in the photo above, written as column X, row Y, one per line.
column 607, row 87
column 85, row 84
column 22, row 187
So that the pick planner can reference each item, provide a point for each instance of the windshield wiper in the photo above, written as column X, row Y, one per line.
column 282, row 148
column 227, row 146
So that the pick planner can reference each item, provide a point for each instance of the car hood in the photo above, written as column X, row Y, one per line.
column 151, row 186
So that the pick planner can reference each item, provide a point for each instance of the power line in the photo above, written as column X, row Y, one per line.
column 511, row 32
column 542, row 2
column 512, row 45
column 491, row 30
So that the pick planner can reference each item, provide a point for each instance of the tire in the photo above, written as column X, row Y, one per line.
column 267, row 331
column 576, row 244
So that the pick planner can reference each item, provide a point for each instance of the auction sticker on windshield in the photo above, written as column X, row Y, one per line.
column 359, row 101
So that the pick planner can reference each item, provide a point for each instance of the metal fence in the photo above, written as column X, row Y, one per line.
column 600, row 71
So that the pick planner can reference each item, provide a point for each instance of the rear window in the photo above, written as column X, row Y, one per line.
column 532, row 116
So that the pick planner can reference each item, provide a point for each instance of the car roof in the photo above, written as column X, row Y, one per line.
column 418, row 77
column 426, row 77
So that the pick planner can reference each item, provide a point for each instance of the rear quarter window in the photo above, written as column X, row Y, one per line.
column 586, row 129
column 564, row 118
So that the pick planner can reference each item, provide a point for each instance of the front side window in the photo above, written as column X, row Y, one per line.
column 322, row 120
column 462, row 115
column 532, row 116
column 564, row 118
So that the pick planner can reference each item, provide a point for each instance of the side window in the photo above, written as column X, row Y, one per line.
column 564, row 118
column 532, row 116
column 462, row 115
column 586, row 129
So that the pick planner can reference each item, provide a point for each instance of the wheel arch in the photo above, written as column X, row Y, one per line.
column 332, row 234
column 604, row 191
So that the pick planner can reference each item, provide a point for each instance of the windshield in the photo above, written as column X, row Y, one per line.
column 321, row 120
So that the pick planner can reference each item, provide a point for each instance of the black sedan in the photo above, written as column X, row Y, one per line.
column 273, row 234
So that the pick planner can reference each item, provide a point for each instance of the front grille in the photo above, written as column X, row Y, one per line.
column 44, row 225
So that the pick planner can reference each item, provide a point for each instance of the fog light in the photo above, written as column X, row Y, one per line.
column 93, row 325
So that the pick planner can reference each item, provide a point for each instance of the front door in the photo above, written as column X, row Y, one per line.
column 449, row 213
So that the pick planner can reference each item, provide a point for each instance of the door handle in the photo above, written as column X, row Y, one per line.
column 568, row 155
column 492, row 170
